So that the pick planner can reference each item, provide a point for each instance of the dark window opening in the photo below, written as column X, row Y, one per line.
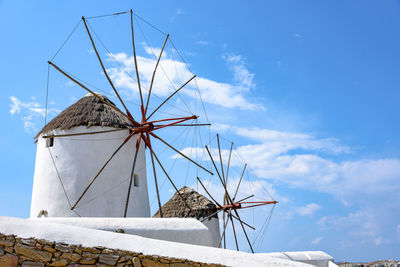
column 136, row 180
column 49, row 142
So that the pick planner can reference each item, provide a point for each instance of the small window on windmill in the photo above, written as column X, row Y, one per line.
column 136, row 180
column 49, row 142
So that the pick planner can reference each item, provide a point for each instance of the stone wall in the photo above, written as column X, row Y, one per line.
column 382, row 263
column 33, row 252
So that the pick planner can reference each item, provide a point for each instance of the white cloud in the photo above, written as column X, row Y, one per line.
column 31, row 111
column 304, row 161
column 297, row 35
column 364, row 225
column 378, row 241
column 241, row 74
column 316, row 241
column 174, row 71
column 286, row 141
column 202, row 42
column 180, row 11
column 273, row 158
column 308, row 209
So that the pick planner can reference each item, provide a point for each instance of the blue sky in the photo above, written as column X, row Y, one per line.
column 308, row 90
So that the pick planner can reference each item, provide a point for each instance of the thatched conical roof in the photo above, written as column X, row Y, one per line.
column 175, row 207
column 88, row 111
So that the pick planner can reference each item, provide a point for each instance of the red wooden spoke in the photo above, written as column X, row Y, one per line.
column 239, row 205
column 171, row 124
column 139, row 138
column 175, row 119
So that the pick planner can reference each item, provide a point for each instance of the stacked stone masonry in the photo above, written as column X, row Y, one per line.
column 33, row 252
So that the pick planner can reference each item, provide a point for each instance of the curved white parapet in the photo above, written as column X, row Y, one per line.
column 65, row 169
column 316, row 258
column 213, row 227
column 187, row 230
column 69, row 234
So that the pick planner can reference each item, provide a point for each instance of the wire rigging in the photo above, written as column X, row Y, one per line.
column 108, row 15
column 66, row 40
column 127, row 72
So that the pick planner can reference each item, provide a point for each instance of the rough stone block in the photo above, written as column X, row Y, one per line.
column 181, row 264
column 124, row 259
column 9, row 249
column 108, row 259
column 108, row 251
column 6, row 243
column 78, row 250
column 49, row 249
column 32, row 264
column 136, row 262
column 59, row 263
column 45, row 242
column 33, row 253
column 86, row 260
column 152, row 263
column 74, row 257
column 91, row 250
column 28, row 241
column 2, row 251
column 90, row 255
column 62, row 247
column 80, row 265
column 8, row 261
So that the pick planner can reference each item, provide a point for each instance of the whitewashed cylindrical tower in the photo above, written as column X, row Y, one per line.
column 66, row 165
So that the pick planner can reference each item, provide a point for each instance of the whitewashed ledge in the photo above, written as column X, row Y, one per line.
column 181, row 230
column 24, row 228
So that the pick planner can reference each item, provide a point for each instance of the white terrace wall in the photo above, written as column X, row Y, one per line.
column 63, row 171
column 182, row 230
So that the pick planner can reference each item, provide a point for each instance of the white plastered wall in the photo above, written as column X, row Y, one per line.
column 77, row 159
column 213, row 227
column 182, row 230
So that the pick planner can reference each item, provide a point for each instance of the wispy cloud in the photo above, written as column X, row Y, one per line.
column 297, row 35
column 241, row 74
column 316, row 241
column 364, row 225
column 180, row 11
column 302, row 160
column 227, row 95
column 308, row 209
column 31, row 112
column 202, row 42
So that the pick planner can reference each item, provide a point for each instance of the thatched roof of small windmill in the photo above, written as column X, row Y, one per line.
column 175, row 207
column 88, row 111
